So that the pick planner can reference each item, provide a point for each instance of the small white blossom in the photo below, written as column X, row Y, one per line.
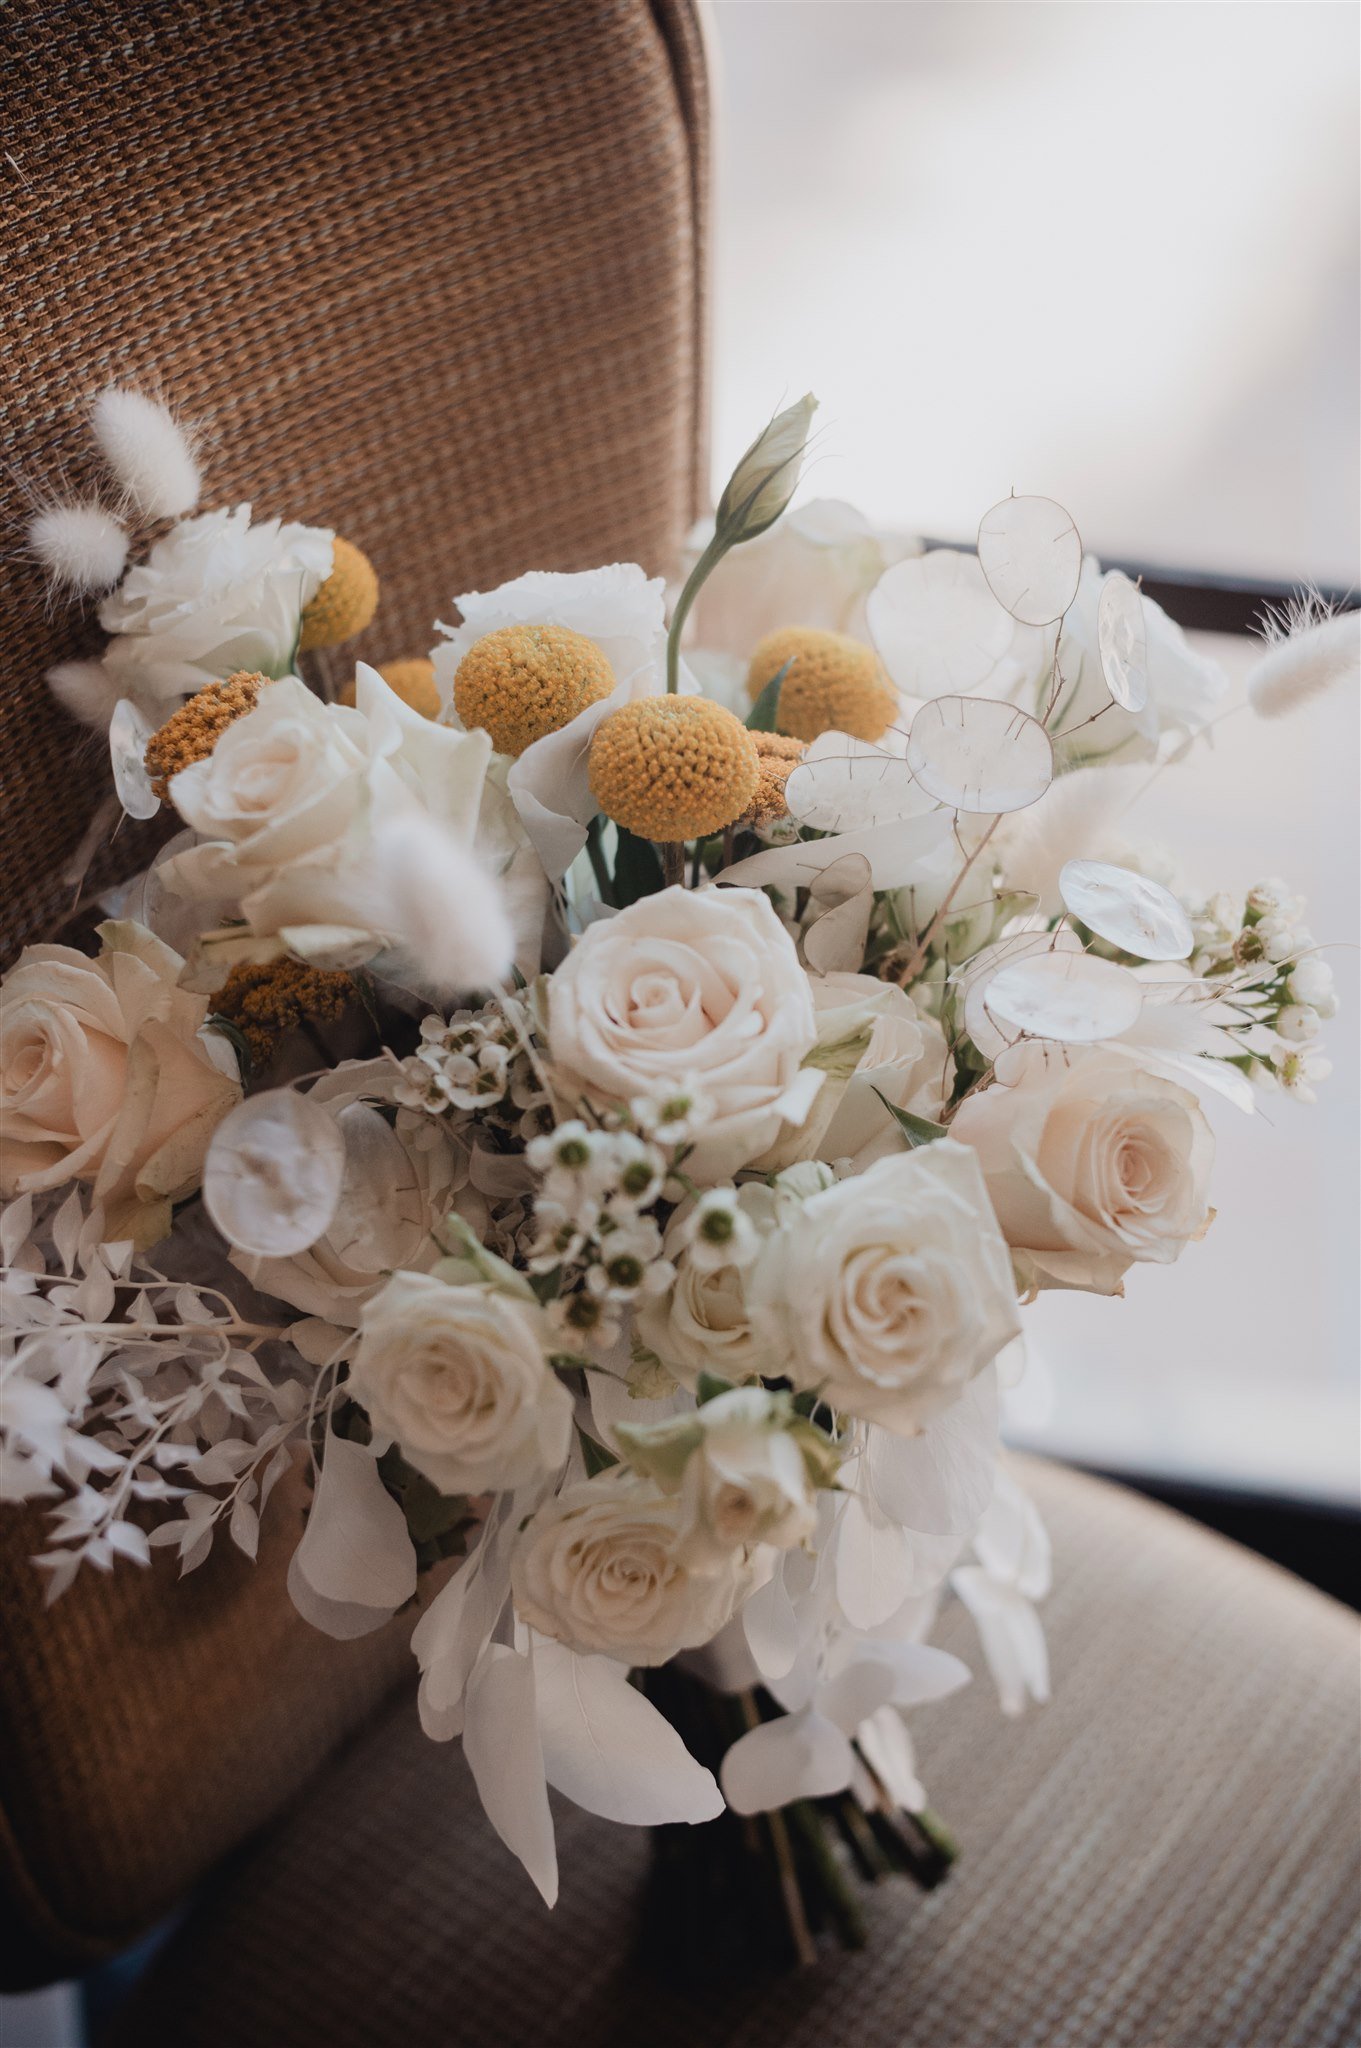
column 719, row 1232
column 1297, row 1024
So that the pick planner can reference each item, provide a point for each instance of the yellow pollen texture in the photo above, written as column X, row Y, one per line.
column 524, row 681
column 191, row 733
column 834, row 684
column 346, row 601
column 672, row 768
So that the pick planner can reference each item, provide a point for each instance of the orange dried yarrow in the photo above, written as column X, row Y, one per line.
column 267, row 1002
column 776, row 755
column 191, row 733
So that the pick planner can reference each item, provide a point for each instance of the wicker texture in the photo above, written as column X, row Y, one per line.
column 1164, row 1857
column 429, row 272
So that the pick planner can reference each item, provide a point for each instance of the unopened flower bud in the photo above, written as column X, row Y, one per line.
column 765, row 479
column 1297, row 1024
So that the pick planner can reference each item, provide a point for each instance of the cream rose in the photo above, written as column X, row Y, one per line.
column 106, row 1076
column 287, row 805
column 694, row 988
column 459, row 1378
column 893, row 1289
column 215, row 594
column 891, row 1052
column 1092, row 1164
column 604, row 1568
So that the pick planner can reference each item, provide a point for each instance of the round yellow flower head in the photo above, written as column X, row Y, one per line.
column 834, row 684
column 346, row 601
column 524, row 681
column 671, row 768
column 191, row 733
column 412, row 681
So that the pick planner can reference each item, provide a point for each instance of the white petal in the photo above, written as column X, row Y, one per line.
column 855, row 1693
column 1127, row 910
column 608, row 1749
column 274, row 1173
column 1012, row 1638
column 979, row 755
column 1122, row 641
column 501, row 1743
column 799, row 1756
column 873, row 1565
column 1031, row 554
column 1072, row 997
column 891, row 850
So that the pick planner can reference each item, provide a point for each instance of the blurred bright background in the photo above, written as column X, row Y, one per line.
column 1108, row 253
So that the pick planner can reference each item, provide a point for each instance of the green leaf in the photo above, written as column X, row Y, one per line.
column 637, row 870
column 840, row 1057
column 596, row 1457
column 765, row 712
column 711, row 1385
column 918, row 1130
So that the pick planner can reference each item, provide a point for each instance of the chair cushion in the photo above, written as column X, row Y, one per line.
column 1166, row 1854
column 427, row 271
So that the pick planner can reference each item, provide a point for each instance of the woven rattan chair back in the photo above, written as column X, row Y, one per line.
column 429, row 272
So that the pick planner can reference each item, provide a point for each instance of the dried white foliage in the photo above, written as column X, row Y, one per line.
column 81, row 547
column 1309, row 650
column 1122, row 641
column 87, row 691
column 1127, row 910
column 147, row 451
column 1031, row 553
column 978, row 755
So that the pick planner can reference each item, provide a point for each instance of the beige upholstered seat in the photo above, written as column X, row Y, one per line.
column 1166, row 1856
column 428, row 271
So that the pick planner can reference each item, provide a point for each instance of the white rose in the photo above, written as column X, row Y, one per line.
column 1092, row 1164
column 814, row 567
column 392, row 1195
column 619, row 607
column 699, row 986
column 738, row 1466
column 459, row 1378
column 1184, row 688
column 287, row 805
column 892, row 1289
column 107, row 1077
column 704, row 1321
column 604, row 1568
column 214, row 595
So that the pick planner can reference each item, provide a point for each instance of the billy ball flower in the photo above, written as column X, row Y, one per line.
column 346, row 601
column 191, row 733
column 673, row 768
column 522, row 682
column 412, row 681
column 834, row 684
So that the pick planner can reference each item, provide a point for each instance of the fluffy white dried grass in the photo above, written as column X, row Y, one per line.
column 1310, row 649
column 442, row 909
column 86, row 690
column 81, row 547
column 147, row 451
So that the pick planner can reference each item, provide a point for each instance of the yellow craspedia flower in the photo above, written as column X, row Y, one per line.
column 191, row 733
column 671, row 768
column 412, row 681
column 346, row 601
column 521, row 682
column 834, row 684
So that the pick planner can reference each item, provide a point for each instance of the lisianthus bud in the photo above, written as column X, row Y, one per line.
column 764, row 480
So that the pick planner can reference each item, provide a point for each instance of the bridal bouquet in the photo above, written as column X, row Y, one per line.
column 600, row 1097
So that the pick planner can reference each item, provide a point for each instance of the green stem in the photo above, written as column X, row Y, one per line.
column 694, row 582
